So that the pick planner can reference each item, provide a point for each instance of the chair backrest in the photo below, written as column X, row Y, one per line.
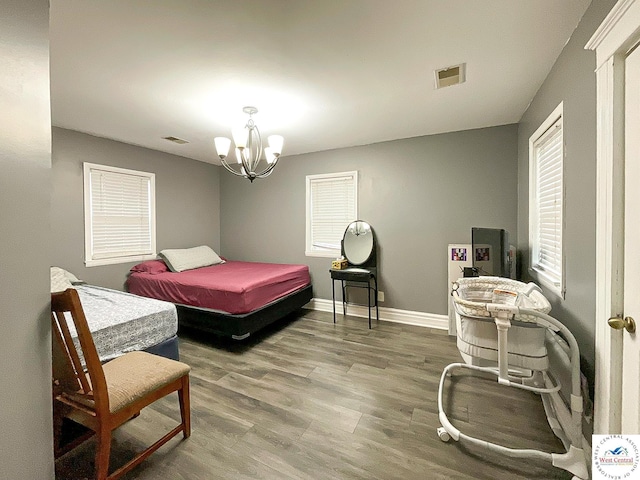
column 68, row 370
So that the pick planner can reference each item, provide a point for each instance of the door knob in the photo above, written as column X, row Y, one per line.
column 619, row 323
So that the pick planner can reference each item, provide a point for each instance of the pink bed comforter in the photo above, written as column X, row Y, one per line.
column 232, row 287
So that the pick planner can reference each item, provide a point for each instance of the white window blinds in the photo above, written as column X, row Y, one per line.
column 331, row 206
column 546, row 222
column 119, row 215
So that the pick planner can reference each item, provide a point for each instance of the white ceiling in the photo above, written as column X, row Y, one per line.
column 324, row 74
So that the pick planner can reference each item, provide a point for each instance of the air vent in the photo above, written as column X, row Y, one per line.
column 445, row 77
column 177, row 140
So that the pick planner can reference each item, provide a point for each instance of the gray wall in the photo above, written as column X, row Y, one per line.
column 419, row 194
column 187, row 200
column 25, row 159
column 572, row 80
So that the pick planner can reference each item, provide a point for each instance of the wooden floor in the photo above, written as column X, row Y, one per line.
column 308, row 399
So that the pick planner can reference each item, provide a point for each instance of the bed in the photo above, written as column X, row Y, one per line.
column 228, row 298
column 121, row 322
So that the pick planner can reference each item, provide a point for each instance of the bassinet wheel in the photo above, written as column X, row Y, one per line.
column 442, row 433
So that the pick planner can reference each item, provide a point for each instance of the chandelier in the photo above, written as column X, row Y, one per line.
column 250, row 162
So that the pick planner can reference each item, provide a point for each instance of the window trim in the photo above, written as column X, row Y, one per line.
column 309, row 251
column 536, row 273
column 88, row 230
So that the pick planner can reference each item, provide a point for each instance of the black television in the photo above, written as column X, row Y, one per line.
column 490, row 250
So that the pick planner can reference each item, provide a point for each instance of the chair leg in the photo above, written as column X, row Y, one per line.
column 102, row 453
column 375, row 282
column 185, row 406
column 333, row 294
column 369, row 304
column 344, row 299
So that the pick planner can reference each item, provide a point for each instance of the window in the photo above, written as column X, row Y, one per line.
column 332, row 203
column 546, row 200
column 119, row 215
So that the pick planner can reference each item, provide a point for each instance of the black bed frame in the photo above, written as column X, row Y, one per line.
column 241, row 326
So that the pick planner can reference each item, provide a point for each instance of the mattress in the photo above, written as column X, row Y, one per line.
column 232, row 287
column 121, row 322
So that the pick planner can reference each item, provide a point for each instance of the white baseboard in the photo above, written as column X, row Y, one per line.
column 407, row 317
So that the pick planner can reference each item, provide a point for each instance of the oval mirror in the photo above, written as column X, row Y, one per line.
column 358, row 242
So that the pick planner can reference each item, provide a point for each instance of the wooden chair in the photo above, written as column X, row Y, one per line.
column 108, row 395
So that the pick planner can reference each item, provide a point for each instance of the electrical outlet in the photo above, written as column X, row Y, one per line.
column 380, row 296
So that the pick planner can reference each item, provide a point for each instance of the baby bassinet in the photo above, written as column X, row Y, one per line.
column 501, row 329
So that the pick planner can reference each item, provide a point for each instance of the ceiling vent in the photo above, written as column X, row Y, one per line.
column 445, row 77
column 177, row 140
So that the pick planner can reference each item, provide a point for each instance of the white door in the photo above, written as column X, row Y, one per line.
column 617, row 373
column 630, row 414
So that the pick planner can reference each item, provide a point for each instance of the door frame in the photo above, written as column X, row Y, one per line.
column 617, row 34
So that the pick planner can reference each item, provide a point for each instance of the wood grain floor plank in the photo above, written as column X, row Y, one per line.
column 312, row 400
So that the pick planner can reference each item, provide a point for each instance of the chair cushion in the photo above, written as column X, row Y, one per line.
column 135, row 374
column 353, row 274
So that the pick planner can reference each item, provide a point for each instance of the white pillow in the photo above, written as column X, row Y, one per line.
column 59, row 281
column 68, row 275
column 181, row 259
